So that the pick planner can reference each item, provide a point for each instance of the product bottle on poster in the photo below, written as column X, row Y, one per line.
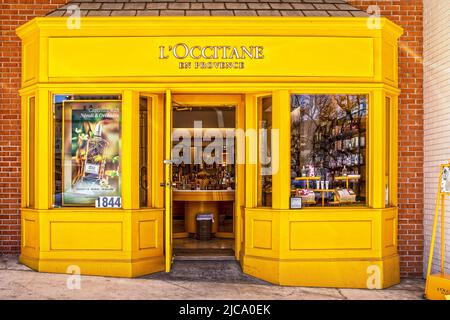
column 94, row 167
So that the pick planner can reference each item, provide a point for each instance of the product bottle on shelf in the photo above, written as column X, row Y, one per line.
column 344, row 171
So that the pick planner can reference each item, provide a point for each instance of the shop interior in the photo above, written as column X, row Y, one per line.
column 203, row 181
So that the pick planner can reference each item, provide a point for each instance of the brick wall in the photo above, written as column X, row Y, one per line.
column 13, row 13
column 407, row 13
column 437, row 115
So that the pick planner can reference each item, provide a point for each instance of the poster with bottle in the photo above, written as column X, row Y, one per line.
column 91, row 151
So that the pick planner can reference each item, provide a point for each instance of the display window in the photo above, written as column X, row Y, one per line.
column 328, row 149
column 87, row 131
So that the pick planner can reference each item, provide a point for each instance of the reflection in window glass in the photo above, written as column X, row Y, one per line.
column 87, row 149
column 264, row 150
column 144, row 147
column 387, row 144
column 328, row 149
column 32, row 151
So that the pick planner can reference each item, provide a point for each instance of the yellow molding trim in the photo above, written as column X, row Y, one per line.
column 324, row 259
column 211, row 26
column 208, row 87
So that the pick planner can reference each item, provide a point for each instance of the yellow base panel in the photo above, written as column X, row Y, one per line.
column 118, row 243
column 107, row 268
column 438, row 287
column 326, row 273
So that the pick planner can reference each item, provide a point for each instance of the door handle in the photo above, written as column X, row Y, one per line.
column 167, row 184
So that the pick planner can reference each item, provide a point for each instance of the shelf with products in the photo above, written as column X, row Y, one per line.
column 203, row 177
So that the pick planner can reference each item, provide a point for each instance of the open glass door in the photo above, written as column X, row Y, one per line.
column 168, row 181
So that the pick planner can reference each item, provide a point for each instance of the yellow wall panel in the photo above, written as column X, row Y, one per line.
column 262, row 234
column 85, row 235
column 389, row 62
column 29, row 233
column 337, row 247
column 140, row 57
column 388, row 232
column 330, row 235
column 148, row 234
column 30, row 61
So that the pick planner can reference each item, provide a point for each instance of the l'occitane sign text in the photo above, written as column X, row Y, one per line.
column 210, row 56
column 251, row 56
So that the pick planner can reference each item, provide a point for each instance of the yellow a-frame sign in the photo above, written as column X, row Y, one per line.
column 438, row 285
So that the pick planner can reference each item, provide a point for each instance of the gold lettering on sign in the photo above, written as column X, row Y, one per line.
column 182, row 51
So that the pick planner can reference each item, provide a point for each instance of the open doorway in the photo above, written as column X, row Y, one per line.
column 204, row 181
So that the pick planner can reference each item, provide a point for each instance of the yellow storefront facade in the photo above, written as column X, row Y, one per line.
column 211, row 61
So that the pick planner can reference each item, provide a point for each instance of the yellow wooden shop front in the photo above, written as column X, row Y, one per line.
column 185, row 58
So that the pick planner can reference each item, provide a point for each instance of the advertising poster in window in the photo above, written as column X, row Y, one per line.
column 91, row 151
column 445, row 182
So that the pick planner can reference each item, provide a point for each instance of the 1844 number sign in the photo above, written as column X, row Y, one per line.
column 108, row 202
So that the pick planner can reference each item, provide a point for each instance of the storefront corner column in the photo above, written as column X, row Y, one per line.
column 43, row 158
column 281, row 149
column 130, row 150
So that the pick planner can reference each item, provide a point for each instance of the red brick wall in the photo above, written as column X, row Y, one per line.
column 13, row 13
column 408, row 14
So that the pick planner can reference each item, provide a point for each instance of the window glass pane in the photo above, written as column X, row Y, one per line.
column 32, row 151
column 264, row 149
column 328, row 149
column 144, row 147
column 387, row 145
column 87, row 149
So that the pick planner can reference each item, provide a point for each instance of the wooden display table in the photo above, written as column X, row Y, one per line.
column 201, row 201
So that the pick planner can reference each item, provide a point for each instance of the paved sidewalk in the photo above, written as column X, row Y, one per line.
column 19, row 282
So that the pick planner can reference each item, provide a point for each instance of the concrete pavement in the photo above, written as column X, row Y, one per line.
column 187, row 281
